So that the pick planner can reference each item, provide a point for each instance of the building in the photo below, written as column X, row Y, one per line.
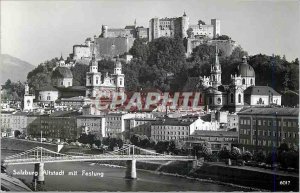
column 28, row 99
column 180, row 27
column 115, row 123
column 261, row 96
column 265, row 128
column 217, row 139
column 18, row 122
column 5, row 122
column 232, row 122
column 140, row 126
column 59, row 125
column 62, row 77
column 239, row 93
column 48, row 94
column 177, row 128
column 92, row 124
column 96, row 87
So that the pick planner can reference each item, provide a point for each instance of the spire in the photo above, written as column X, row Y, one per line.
column 61, row 58
column 216, row 55
column 184, row 13
column 134, row 22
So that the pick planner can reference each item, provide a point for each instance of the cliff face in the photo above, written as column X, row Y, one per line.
column 13, row 68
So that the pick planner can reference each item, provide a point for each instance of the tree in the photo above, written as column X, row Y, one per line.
column 247, row 155
column 235, row 153
column 202, row 150
column 17, row 133
column 259, row 156
column 172, row 146
column 224, row 152
column 223, row 37
column 79, row 74
column 140, row 49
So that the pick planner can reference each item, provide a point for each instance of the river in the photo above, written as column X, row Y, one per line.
column 112, row 179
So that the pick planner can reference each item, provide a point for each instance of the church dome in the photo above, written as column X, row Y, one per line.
column 244, row 69
column 62, row 72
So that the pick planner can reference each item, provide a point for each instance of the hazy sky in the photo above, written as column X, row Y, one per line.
column 35, row 31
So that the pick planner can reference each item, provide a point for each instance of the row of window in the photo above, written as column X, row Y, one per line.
column 266, row 143
column 171, row 127
column 159, row 137
column 269, row 123
column 270, row 133
column 170, row 132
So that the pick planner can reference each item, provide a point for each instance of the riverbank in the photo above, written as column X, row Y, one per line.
column 172, row 169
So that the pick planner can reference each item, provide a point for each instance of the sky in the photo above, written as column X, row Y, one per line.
column 36, row 31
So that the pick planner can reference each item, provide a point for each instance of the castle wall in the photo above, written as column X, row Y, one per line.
column 81, row 51
column 226, row 46
column 109, row 47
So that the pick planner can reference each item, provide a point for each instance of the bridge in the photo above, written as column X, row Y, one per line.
column 129, row 153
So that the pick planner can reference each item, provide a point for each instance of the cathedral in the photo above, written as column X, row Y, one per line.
column 241, row 92
column 96, row 84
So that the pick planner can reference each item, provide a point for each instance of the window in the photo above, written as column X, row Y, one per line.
column 251, row 81
column 254, row 122
column 289, row 124
column 269, row 123
column 259, row 122
column 243, row 81
column 48, row 98
column 239, row 98
column 210, row 100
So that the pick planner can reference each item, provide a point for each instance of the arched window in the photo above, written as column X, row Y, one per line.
column 97, row 80
column 251, row 81
column 243, row 81
column 239, row 98
column 231, row 98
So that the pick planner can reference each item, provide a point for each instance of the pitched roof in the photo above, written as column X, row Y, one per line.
column 62, row 72
column 47, row 88
column 279, row 111
column 261, row 90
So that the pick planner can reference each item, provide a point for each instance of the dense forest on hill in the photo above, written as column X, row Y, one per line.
column 162, row 64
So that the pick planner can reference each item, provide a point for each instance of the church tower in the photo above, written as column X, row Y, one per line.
column 28, row 99
column 93, row 78
column 119, row 77
column 215, row 71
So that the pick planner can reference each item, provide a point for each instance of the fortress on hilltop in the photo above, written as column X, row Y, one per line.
column 112, row 42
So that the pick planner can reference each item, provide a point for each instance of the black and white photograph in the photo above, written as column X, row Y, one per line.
column 149, row 95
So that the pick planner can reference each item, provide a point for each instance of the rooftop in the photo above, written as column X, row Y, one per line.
column 174, row 122
column 261, row 90
column 215, row 133
column 281, row 111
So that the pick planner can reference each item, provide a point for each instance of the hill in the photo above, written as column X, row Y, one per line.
column 13, row 68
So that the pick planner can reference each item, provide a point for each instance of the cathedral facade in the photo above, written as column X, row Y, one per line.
column 239, row 92
column 97, row 85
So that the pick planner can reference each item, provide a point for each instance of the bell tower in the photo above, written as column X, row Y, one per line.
column 28, row 99
column 93, row 78
column 119, row 77
column 215, row 71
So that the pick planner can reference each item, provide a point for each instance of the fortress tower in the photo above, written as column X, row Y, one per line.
column 104, row 31
column 184, row 25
